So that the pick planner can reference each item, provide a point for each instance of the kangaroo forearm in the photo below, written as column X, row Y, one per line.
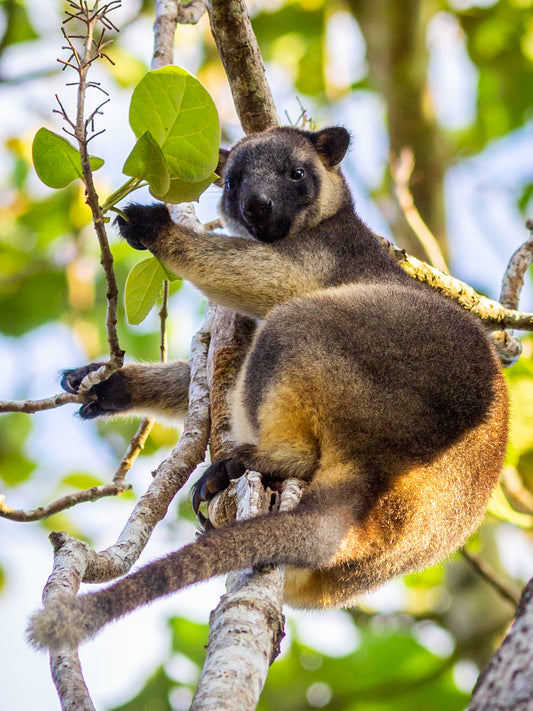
column 158, row 389
column 197, row 257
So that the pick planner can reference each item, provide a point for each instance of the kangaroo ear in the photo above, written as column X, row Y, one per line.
column 331, row 144
column 223, row 154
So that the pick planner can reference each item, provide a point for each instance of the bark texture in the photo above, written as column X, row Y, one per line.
column 506, row 684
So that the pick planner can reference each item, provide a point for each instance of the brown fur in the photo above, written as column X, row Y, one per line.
column 387, row 399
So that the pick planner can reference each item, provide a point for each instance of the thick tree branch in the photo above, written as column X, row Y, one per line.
column 166, row 18
column 513, row 279
column 487, row 310
column 70, row 558
column 505, row 685
column 247, row 627
column 240, row 55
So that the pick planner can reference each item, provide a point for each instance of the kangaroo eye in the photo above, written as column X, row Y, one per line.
column 230, row 183
column 298, row 175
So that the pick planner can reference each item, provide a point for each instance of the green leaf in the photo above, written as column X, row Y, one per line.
column 181, row 116
column 189, row 638
column 181, row 191
column 500, row 507
column 142, row 289
column 18, row 26
column 56, row 162
column 81, row 480
column 147, row 161
column 166, row 271
column 15, row 467
column 32, row 298
column 154, row 695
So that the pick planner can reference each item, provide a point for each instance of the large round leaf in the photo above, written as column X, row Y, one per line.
column 182, row 118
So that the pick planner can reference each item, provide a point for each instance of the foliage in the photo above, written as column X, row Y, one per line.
column 389, row 670
column 177, row 129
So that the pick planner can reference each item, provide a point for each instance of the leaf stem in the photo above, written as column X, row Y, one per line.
column 128, row 187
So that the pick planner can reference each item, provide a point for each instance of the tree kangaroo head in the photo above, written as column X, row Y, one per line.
column 282, row 181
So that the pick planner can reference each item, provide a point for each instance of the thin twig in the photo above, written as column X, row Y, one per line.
column 401, row 170
column 83, row 61
column 65, row 502
column 31, row 406
column 514, row 487
column 163, row 315
column 135, row 447
column 484, row 570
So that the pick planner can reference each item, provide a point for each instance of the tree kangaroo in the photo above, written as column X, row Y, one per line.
column 386, row 398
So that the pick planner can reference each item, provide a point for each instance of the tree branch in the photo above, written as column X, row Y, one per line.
column 506, row 682
column 240, row 55
column 513, row 279
column 65, row 502
column 190, row 12
column 92, row 50
column 169, row 476
column 246, row 629
column 166, row 18
column 483, row 569
column 32, row 406
column 487, row 310
column 135, row 446
column 75, row 561
column 70, row 559
column 401, row 170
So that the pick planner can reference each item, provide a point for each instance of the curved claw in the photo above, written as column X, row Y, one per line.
column 90, row 410
column 108, row 397
column 72, row 378
column 216, row 478
column 197, row 500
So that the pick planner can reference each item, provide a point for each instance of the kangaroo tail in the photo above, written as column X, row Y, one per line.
column 302, row 537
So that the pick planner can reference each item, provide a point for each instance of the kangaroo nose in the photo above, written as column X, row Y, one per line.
column 256, row 209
